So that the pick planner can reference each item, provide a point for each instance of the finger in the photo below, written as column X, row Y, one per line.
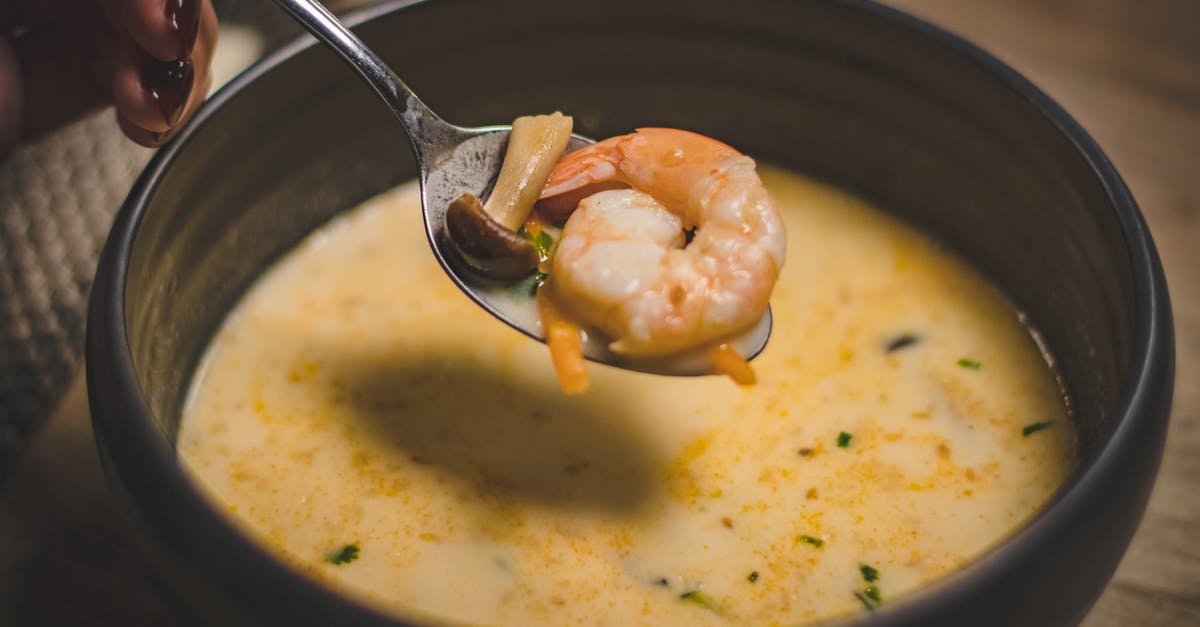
column 138, row 134
column 151, row 93
column 152, row 139
column 167, row 29
column 152, row 97
column 206, row 45
column 64, row 72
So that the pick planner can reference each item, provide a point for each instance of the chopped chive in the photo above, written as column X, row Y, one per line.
column 901, row 342
column 843, row 439
column 344, row 555
column 816, row 542
column 753, row 577
column 970, row 364
column 869, row 574
column 1035, row 427
column 872, row 592
column 699, row 598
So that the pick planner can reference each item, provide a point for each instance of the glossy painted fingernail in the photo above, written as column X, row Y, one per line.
column 183, row 18
column 169, row 84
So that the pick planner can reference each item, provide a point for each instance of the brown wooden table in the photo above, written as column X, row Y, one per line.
column 1129, row 70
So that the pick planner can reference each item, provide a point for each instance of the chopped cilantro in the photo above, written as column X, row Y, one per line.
column 843, row 439
column 542, row 242
column 970, row 364
column 816, row 542
column 753, row 577
column 1035, row 427
column 699, row 598
column 344, row 555
column 870, row 596
column 528, row 287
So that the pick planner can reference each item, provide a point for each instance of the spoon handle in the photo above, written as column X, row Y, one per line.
column 425, row 129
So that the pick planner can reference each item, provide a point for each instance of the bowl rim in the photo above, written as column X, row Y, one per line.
column 132, row 430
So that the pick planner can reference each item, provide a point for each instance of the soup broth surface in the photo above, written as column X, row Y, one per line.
column 362, row 419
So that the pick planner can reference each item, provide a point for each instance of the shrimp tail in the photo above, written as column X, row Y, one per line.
column 566, row 346
column 728, row 362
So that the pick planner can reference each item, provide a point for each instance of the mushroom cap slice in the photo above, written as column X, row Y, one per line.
column 488, row 247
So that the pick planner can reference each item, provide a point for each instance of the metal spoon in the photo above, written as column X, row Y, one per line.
column 452, row 160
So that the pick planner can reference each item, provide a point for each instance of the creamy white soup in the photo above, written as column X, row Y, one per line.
column 363, row 420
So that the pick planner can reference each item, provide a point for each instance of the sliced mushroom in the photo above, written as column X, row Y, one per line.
column 485, row 236
column 534, row 146
column 489, row 247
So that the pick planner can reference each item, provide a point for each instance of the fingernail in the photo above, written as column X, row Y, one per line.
column 170, row 84
column 183, row 18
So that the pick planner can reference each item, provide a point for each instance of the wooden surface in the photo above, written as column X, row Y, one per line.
column 1129, row 70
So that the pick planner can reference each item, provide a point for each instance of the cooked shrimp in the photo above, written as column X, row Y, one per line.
column 624, row 265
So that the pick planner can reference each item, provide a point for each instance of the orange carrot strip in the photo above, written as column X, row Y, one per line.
column 728, row 362
column 566, row 347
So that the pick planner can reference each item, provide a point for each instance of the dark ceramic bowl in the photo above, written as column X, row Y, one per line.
column 923, row 123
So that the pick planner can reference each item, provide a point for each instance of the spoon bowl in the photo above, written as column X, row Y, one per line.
column 470, row 166
column 453, row 160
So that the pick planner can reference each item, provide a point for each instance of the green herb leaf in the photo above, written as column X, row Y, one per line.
column 528, row 287
column 869, row 574
column 870, row 597
column 816, row 542
column 1035, row 427
column 542, row 242
column 867, row 603
column 699, row 598
column 344, row 555
column 843, row 439
column 753, row 577
column 969, row 364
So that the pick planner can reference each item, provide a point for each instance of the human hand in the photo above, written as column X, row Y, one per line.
column 60, row 59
